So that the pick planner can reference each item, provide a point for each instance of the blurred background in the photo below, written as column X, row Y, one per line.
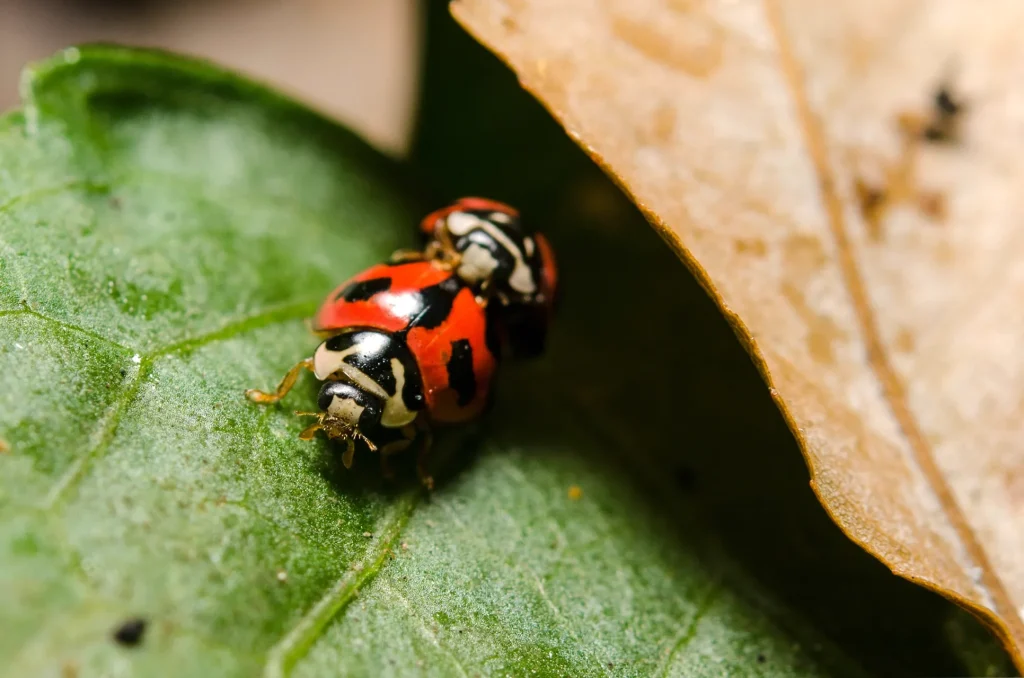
column 355, row 60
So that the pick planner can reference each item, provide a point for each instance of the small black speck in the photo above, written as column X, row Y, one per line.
column 130, row 632
column 945, row 103
column 686, row 478
column 761, row 659
column 611, row 665
column 873, row 198
column 124, row 373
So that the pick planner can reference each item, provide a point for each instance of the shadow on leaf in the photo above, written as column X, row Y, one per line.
column 643, row 360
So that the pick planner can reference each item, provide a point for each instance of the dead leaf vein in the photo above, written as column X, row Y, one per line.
column 892, row 387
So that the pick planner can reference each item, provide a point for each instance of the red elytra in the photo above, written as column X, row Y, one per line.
column 434, row 311
column 549, row 269
column 465, row 205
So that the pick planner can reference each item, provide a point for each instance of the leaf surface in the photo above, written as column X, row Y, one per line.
column 875, row 277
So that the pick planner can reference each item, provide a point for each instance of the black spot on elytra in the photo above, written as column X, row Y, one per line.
column 364, row 289
column 460, row 372
column 437, row 304
column 130, row 632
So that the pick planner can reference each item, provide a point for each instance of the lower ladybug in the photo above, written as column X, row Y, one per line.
column 408, row 344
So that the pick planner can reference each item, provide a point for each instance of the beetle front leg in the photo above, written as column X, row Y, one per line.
column 407, row 256
column 258, row 396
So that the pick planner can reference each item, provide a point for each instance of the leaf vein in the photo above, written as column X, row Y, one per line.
column 426, row 632
column 268, row 316
column 53, row 189
column 107, row 426
column 296, row 642
column 688, row 631
column 16, row 272
column 71, row 327
column 104, row 436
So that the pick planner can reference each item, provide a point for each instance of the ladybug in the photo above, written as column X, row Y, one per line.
column 484, row 243
column 407, row 344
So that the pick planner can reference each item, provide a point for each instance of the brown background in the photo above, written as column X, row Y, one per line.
column 355, row 60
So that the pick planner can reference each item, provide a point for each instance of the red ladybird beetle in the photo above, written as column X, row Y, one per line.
column 484, row 243
column 408, row 344
column 488, row 249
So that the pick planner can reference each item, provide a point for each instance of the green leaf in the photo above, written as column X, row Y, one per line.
column 166, row 228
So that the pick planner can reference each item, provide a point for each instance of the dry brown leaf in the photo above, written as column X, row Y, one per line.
column 876, row 277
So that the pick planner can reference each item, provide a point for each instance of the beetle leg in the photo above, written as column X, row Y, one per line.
column 310, row 431
column 386, row 469
column 423, row 454
column 257, row 396
column 349, row 454
column 394, row 447
column 403, row 256
column 442, row 250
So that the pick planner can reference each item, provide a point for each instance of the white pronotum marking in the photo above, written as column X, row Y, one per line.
column 327, row 363
column 477, row 264
column 345, row 409
column 521, row 280
column 396, row 414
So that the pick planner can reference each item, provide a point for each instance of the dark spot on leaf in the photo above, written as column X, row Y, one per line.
column 130, row 632
column 761, row 659
column 124, row 373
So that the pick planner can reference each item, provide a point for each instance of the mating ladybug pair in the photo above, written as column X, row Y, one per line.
column 416, row 340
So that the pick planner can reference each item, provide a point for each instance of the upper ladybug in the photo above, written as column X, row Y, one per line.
column 488, row 249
